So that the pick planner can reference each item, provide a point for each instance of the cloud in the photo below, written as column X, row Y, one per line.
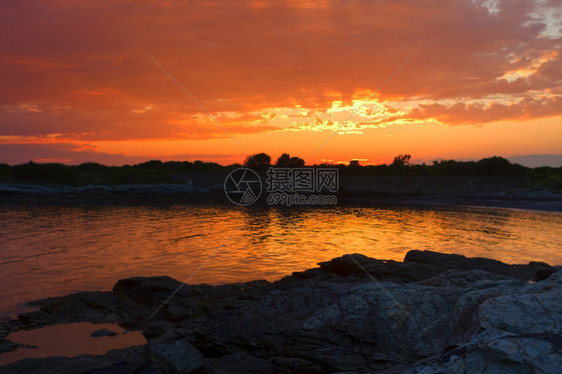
column 534, row 161
column 80, row 69
column 72, row 154
column 461, row 113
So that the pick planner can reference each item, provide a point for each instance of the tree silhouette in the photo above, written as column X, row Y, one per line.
column 258, row 161
column 401, row 160
column 296, row 162
column 285, row 160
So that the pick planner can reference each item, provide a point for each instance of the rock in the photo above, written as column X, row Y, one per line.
column 556, row 277
column 8, row 346
column 111, row 318
column 156, row 328
column 102, row 300
column 129, row 361
column 335, row 326
column 181, row 355
column 33, row 319
column 340, row 326
column 488, row 353
column 7, row 326
column 470, row 278
column 120, row 368
column 54, row 365
column 152, row 290
column 79, row 307
column 103, row 332
column 544, row 272
column 170, row 336
column 295, row 365
column 420, row 265
column 239, row 363
column 140, row 300
column 434, row 313
column 520, row 332
column 357, row 264
column 523, row 312
column 177, row 313
column 446, row 261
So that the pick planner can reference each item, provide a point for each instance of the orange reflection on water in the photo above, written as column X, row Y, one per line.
column 55, row 250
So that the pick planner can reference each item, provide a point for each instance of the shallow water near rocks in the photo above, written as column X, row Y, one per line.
column 69, row 340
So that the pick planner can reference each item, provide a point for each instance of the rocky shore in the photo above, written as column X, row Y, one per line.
column 431, row 313
column 374, row 192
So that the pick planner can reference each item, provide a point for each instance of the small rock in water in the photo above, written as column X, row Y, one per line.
column 103, row 332
column 8, row 346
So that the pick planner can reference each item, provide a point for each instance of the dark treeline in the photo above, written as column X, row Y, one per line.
column 91, row 173
column 155, row 172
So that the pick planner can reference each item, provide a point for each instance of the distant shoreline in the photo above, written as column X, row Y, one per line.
column 522, row 198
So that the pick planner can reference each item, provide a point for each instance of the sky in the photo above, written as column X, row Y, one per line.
column 121, row 82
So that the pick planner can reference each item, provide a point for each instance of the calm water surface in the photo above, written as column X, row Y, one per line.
column 51, row 250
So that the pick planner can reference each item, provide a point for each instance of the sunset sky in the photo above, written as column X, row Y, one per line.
column 121, row 82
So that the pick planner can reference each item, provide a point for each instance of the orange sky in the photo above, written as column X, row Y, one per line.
column 453, row 79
